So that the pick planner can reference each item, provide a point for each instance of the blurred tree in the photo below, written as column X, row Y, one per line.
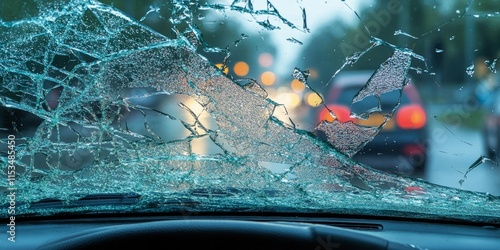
column 243, row 42
column 440, row 30
column 450, row 48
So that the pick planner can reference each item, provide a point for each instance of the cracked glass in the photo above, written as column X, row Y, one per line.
column 337, row 107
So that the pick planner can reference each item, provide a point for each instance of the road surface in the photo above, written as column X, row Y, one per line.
column 452, row 150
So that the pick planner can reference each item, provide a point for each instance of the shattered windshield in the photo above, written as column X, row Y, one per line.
column 338, row 107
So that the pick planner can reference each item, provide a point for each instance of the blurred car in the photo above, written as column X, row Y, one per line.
column 400, row 145
column 491, row 135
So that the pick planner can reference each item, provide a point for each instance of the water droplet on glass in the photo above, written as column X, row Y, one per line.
column 491, row 65
column 470, row 70
column 439, row 50
column 452, row 37
column 300, row 75
column 457, row 11
column 399, row 32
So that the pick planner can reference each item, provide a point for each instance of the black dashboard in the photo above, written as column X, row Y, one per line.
column 247, row 232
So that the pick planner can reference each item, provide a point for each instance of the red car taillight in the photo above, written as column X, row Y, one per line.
column 414, row 149
column 411, row 117
column 342, row 112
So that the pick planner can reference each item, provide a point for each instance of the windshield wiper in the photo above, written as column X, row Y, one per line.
column 89, row 200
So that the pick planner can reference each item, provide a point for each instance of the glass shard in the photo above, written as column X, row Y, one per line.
column 346, row 137
column 391, row 75
column 350, row 137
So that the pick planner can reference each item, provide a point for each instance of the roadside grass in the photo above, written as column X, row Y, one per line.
column 473, row 119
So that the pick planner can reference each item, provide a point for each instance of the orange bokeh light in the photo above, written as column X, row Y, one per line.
column 241, row 68
column 313, row 99
column 268, row 78
column 220, row 65
column 297, row 86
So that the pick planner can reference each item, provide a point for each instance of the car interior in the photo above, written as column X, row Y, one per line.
column 243, row 124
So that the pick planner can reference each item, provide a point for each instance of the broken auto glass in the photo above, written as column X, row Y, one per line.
column 100, row 103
